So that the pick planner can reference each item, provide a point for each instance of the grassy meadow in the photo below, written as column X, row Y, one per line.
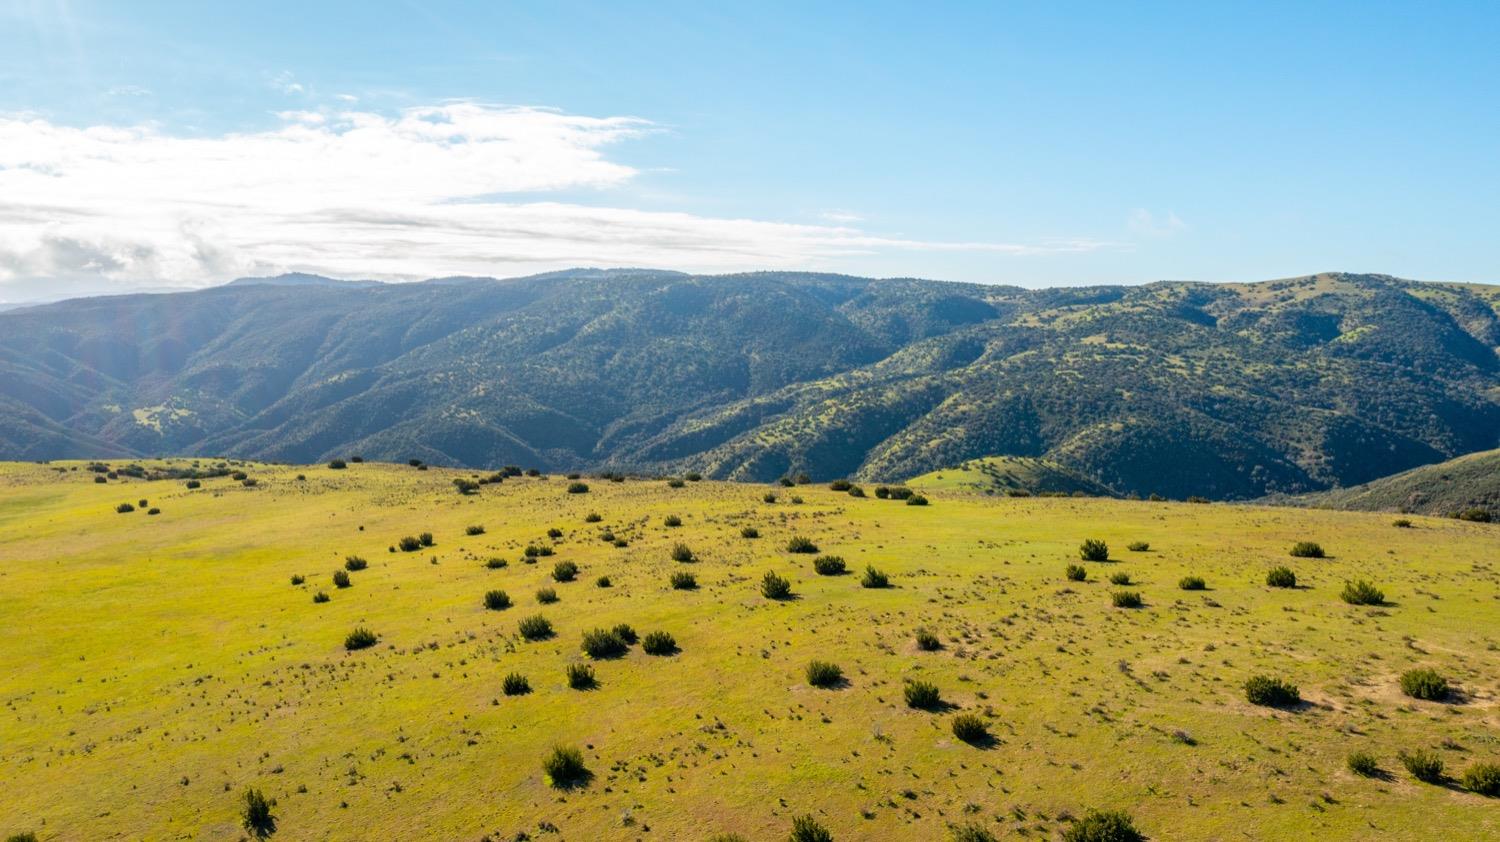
column 154, row 667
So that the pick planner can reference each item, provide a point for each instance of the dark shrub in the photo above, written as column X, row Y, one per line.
column 337, row 464
column 927, row 641
column 409, row 544
column 515, row 684
column 320, row 596
column 564, row 571
column 775, row 587
column 475, row 529
column 621, row 543
column 1126, row 599
column 807, row 829
column 1363, row 763
column 902, row 493
column 533, row 472
column 970, row 728
column 799, row 544
column 298, row 578
column 923, row 695
column 603, row 643
column 684, row 581
column 1483, row 779
column 682, row 553
column 354, row 562
column 578, row 488
column 828, row 565
column 535, row 627
column 1423, row 765
column 1138, row 546
column 1105, row 826
column 769, row 497
column 1076, row 573
column 1119, row 578
column 916, row 500
column 99, row 479
column 496, row 600
column 256, row 814
column 749, row 532
column 1306, row 549
column 532, row 551
column 495, row 563
column 874, row 578
column 192, row 483
column 882, row 492
column 1401, row 523
column 341, row 579
column 1192, row 583
column 414, row 462
column 1093, row 550
column 465, row 486
column 239, row 476
column 1475, row 515
column 658, row 643
column 153, row 511
column 1361, row 592
column 1424, row 684
column 856, row 491
column 675, row 483
column 694, row 476
column 425, row 539
column 592, row 517
column 970, row 833
column 554, row 533
column 546, row 596
column 360, row 638
column 672, row 521
column 581, row 677
column 840, row 485
column 624, row 632
column 125, row 508
column 564, row 767
column 356, row 459
column 1281, row 577
column 1271, row 692
column 604, row 582
column 28, row 836
column 824, row 674
column 250, row 483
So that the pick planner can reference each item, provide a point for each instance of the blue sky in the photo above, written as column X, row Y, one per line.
column 168, row 144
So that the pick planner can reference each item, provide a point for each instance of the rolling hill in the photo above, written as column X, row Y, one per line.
column 1469, row 485
column 1220, row 390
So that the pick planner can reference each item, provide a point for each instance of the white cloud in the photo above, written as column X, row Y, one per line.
column 428, row 191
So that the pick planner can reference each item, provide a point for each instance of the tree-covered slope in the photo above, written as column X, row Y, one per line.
column 1233, row 390
column 1468, row 486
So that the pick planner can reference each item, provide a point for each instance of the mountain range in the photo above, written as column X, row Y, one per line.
column 1226, row 391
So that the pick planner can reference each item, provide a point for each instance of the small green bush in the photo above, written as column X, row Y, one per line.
column 592, row 517
column 298, row 578
column 321, row 596
column 658, row 643
column 799, row 544
column 1475, row 515
column 1119, row 578
column 624, row 632
column 773, row 586
column 125, row 508
column 824, row 674
column 916, row 500
column 971, row 728
column 1402, row 523
column 840, row 485
column 546, row 596
column 564, row 767
column 564, row 571
column 1360, row 592
column 425, row 539
column 749, row 532
column 604, row 582
column 1093, row 549
column 474, row 529
column 496, row 600
column 1267, row 691
column 495, row 563
column 1192, row 583
column 360, row 638
column 1281, row 577
column 923, row 695
column 554, row 533
column 466, row 486
column 828, row 565
column 578, row 488
column 337, row 464
column 255, row 814
column 970, row 833
column 341, row 579
column 927, row 641
column 1482, row 779
column 1103, row 826
column 675, row 483
column 1363, row 763
column 409, row 544
column 581, row 677
column 672, row 521
column 192, row 484
column 1306, row 549
column 535, row 627
column 769, row 497
column 1423, row 765
column 1126, row 599
column 807, row 829
column 1138, row 546
column 603, row 643
column 28, row 836
column 1076, row 573
column 682, row 553
column 684, row 581
column 515, row 684
column 353, row 563
column 873, row 578
column 1424, row 684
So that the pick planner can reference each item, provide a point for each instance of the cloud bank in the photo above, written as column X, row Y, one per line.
column 437, row 190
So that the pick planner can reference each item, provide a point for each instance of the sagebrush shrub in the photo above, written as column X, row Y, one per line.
column 1360, row 592
column 564, row 571
column 1281, row 577
column 769, row 497
column 425, row 539
column 828, row 565
column 1424, row 684
column 773, row 586
column 496, row 600
column 337, row 464
column 1103, row 826
column 298, row 578
column 840, row 485
column 799, row 544
column 1363, row 763
column 255, row 814
column 658, row 643
column 546, row 596
column 192, row 483
column 1306, row 549
column 604, row 582
column 603, row 643
column 824, row 674
column 1192, row 583
column 624, row 632
column 592, row 517
column 474, row 529
column 749, row 532
column 873, row 578
column 1423, row 765
column 564, row 767
column 341, row 579
column 970, row 833
column 971, row 728
column 1138, row 546
column 1119, row 578
column 916, row 500
column 807, row 829
column 554, row 533
column 321, row 596
column 684, row 581
column 125, row 508
column 360, row 638
column 354, row 562
column 495, row 563
column 1402, row 523
column 672, row 521
column 1269, row 691
column 923, row 695
column 682, row 553
column 515, row 684
column 578, row 488
column 1076, row 573
column 409, row 544
column 581, row 677
column 1482, row 779
column 535, row 627
column 927, row 641
column 1093, row 549
column 675, row 483
column 1126, row 599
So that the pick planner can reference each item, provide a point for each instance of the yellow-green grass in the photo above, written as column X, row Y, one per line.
column 153, row 667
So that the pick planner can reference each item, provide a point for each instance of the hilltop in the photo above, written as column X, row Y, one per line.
column 1216, row 390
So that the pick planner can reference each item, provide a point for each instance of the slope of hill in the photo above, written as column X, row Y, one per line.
column 1010, row 475
column 1470, row 483
column 1225, row 391
column 163, row 663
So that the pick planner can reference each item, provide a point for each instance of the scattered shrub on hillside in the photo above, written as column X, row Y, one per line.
column 795, row 500
column 807, row 829
column 1475, row 515
column 1360, row 592
column 28, row 836
column 682, row 553
column 239, row 476
column 1271, row 692
column 1402, row 523
column 192, row 483
column 535, row 627
column 360, row 638
column 592, row 517
column 824, row 674
column 873, row 578
column 624, row 632
column 1076, row 573
column 1119, row 578
column 970, row 833
column 255, row 814
column 496, row 600
column 1138, row 546
column 1306, row 549
column 250, row 482
column 409, row 544
column 321, row 596
column 354, row 562
column 840, row 485
column 768, row 497
column 531, row 551
column 775, row 587
column 923, row 695
column 298, row 578
column 902, row 493
column 564, row 571
column 581, row 677
column 684, row 581
column 341, row 579
column 603, row 643
column 578, row 488
column 1103, row 826
column 125, row 508
column 828, row 565
column 546, row 596
column 1093, row 549
column 495, row 563
column 675, row 483
column 153, row 511
column 799, row 544
column 1281, row 577
column 1192, row 583
column 337, row 464
column 474, row 529
column 620, row 543
column 1126, row 599
column 1423, row 765
column 564, row 767
column 882, row 492
column 927, row 641
column 554, row 533
column 658, row 643
column 749, row 532
column 604, row 582
column 1363, row 763
column 100, row 479
column 970, row 728
column 786, row 482
column 533, row 472
column 515, row 684
column 1482, row 779
column 671, row 521
column 425, row 539
column 916, row 500
column 465, row 486
column 1424, row 684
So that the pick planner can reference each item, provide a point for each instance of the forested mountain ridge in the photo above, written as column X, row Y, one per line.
column 1223, row 390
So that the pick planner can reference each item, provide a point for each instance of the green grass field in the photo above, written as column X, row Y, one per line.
column 152, row 667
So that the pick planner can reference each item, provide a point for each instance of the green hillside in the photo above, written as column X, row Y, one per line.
column 1468, row 485
column 156, row 667
column 1014, row 476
